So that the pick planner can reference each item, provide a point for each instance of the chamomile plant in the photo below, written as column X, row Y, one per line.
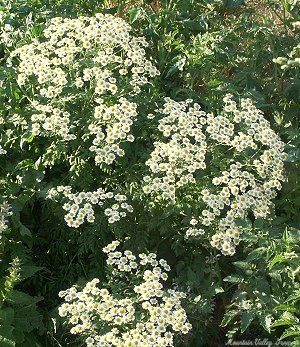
column 81, row 79
column 232, row 162
column 134, row 308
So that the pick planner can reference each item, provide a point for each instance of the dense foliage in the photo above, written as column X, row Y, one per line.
column 149, row 161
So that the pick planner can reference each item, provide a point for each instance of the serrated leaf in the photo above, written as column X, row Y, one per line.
column 289, row 333
column 228, row 317
column 285, row 307
column 249, row 237
column 266, row 321
column 246, row 319
column 282, row 322
column 28, row 318
column 294, row 297
column 279, row 258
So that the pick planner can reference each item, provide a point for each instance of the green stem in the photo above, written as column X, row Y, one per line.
column 220, row 281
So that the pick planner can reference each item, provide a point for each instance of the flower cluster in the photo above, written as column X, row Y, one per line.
column 77, row 77
column 107, row 42
column 249, row 185
column 4, row 213
column 80, row 205
column 254, row 172
column 195, row 229
column 112, row 124
column 149, row 316
column 51, row 120
column 173, row 162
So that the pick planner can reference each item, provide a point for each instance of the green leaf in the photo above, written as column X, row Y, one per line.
column 294, row 235
column 24, row 230
column 30, row 138
column 196, row 26
column 15, row 219
column 287, row 318
column 279, row 258
column 6, row 316
column 218, row 290
column 21, row 298
column 228, row 317
column 263, row 289
column 294, row 297
column 285, row 307
column 234, row 279
column 134, row 14
column 246, row 319
column 256, row 254
column 110, row 10
column 242, row 265
column 24, row 164
column 172, row 71
column 289, row 333
column 259, row 223
column 16, row 93
column 249, row 237
column 192, row 276
column 282, row 322
column 245, row 224
column 266, row 321
column 29, row 270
